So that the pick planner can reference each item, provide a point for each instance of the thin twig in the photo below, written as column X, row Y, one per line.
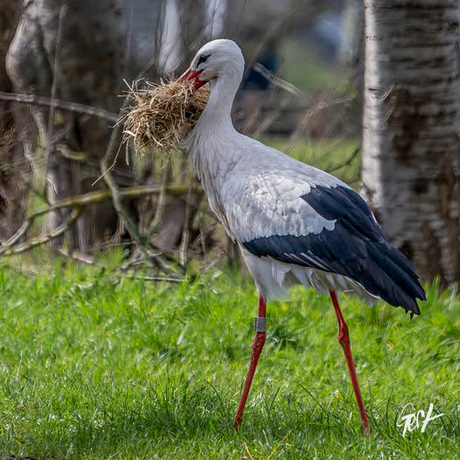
column 32, row 99
column 276, row 81
column 121, row 210
column 185, row 230
column 347, row 162
column 8, row 250
column 78, row 256
column 161, row 201
column 155, row 278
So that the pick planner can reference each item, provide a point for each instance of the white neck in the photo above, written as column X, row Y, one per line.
column 213, row 143
column 217, row 112
column 215, row 127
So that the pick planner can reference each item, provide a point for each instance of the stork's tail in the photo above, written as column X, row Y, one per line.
column 393, row 278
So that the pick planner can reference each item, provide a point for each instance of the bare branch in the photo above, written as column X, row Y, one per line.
column 101, row 196
column 32, row 99
column 7, row 250
column 82, row 201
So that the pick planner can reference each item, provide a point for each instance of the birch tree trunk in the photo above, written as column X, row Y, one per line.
column 410, row 129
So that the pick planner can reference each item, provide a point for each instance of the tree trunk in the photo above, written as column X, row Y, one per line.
column 72, row 51
column 14, row 167
column 410, row 133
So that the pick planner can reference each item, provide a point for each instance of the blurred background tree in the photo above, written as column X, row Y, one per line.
column 72, row 51
column 13, row 181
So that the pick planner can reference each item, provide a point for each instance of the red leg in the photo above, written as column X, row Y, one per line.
column 257, row 345
column 344, row 340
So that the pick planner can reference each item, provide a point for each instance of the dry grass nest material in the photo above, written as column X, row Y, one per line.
column 163, row 114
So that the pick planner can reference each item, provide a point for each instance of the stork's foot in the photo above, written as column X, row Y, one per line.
column 344, row 340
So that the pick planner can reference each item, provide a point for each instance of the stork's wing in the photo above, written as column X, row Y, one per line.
column 324, row 226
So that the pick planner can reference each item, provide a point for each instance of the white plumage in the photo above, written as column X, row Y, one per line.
column 256, row 191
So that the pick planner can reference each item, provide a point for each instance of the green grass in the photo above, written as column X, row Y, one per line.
column 96, row 367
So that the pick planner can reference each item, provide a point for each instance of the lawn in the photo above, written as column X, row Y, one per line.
column 97, row 367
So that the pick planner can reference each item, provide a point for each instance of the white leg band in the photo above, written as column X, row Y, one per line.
column 260, row 324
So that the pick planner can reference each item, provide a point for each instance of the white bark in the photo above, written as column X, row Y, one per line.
column 75, row 54
column 410, row 129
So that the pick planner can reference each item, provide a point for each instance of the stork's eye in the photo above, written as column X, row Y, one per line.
column 203, row 58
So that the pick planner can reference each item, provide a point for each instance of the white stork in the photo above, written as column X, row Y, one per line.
column 293, row 223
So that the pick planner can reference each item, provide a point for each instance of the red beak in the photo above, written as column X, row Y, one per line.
column 190, row 74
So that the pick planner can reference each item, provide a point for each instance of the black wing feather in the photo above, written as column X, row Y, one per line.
column 357, row 248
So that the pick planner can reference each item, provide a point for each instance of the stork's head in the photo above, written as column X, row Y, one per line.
column 219, row 59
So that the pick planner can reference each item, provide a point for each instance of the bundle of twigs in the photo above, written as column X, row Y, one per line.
column 162, row 114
